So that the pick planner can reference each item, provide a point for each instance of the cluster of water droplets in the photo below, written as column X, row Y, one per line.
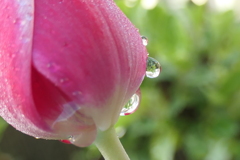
column 153, row 70
column 153, row 66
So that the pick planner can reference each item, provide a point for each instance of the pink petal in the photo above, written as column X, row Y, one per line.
column 67, row 67
column 90, row 49
column 63, row 115
column 22, row 102
column 16, row 103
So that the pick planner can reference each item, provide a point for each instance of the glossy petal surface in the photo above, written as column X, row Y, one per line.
column 67, row 67
column 17, row 105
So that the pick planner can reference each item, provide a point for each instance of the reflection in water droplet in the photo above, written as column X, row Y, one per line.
column 66, row 141
column 132, row 105
column 71, row 139
column 153, row 68
column 144, row 40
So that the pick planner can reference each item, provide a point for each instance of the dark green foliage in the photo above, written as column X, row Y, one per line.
column 192, row 111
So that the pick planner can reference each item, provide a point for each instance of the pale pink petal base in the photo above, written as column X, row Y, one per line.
column 84, row 139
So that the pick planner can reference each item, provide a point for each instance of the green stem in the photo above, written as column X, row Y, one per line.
column 110, row 146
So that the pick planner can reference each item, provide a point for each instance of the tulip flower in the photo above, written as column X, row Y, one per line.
column 67, row 67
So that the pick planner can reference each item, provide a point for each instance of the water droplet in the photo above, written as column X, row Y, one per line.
column 37, row 137
column 71, row 139
column 13, row 55
column 153, row 68
column 131, row 105
column 53, row 66
column 76, row 93
column 62, row 80
column 49, row 65
column 144, row 40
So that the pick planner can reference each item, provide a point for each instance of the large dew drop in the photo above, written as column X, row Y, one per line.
column 153, row 68
column 132, row 104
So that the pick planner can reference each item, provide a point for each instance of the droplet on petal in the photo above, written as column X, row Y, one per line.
column 153, row 68
column 144, row 40
column 71, row 139
column 132, row 104
column 62, row 80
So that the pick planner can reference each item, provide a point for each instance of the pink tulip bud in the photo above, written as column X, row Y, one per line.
column 67, row 67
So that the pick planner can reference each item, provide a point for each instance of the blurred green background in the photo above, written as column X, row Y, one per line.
column 192, row 110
